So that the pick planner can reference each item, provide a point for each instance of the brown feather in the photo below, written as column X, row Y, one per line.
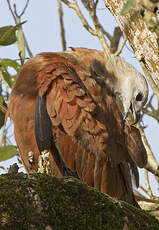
column 88, row 130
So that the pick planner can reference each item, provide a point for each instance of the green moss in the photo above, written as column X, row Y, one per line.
column 34, row 202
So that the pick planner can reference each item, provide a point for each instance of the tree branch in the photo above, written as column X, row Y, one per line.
column 152, row 164
column 62, row 25
column 98, row 31
column 75, row 7
column 118, row 52
column 25, row 7
column 142, row 40
column 10, row 9
column 46, row 202
column 149, row 191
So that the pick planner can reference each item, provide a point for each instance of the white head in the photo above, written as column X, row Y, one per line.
column 130, row 86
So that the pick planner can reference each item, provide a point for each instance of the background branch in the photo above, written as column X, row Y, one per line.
column 62, row 25
column 152, row 164
column 98, row 31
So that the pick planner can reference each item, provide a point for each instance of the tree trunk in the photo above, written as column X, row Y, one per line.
column 142, row 40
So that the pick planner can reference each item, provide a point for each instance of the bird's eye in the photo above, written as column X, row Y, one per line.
column 139, row 97
column 155, row 9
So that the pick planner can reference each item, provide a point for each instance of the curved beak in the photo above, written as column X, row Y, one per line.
column 136, row 115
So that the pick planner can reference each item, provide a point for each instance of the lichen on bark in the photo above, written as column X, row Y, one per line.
column 142, row 40
column 45, row 202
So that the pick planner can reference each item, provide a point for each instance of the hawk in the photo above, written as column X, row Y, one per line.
column 70, row 107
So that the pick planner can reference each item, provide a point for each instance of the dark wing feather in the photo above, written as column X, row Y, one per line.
column 44, row 137
column 43, row 126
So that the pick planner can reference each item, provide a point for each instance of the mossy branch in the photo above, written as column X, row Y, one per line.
column 44, row 202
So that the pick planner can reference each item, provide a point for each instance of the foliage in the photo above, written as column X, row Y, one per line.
column 9, row 78
column 8, row 34
column 9, row 70
column 7, row 152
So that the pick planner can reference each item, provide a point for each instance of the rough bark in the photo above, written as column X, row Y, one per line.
column 44, row 202
column 141, row 39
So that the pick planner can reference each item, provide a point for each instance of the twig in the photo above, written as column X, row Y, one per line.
column 115, row 39
column 62, row 25
column 150, row 80
column 69, row 4
column 141, row 197
column 96, row 22
column 10, row 8
column 25, row 7
column 94, row 8
column 149, row 104
column 23, row 11
column 27, row 47
column 143, row 189
column 147, row 200
column 75, row 7
column 122, row 45
column 152, row 165
column 145, row 110
column 98, row 29
column 149, row 191
column 96, row 2
column 153, row 114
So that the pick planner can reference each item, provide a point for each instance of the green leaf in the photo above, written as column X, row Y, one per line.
column 5, row 62
column 8, row 34
column 129, row 5
column 7, row 78
column 4, row 73
column 7, row 152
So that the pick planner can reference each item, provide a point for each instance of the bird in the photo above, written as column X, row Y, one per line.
column 69, row 111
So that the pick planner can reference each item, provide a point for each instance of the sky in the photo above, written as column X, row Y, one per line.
column 42, row 31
